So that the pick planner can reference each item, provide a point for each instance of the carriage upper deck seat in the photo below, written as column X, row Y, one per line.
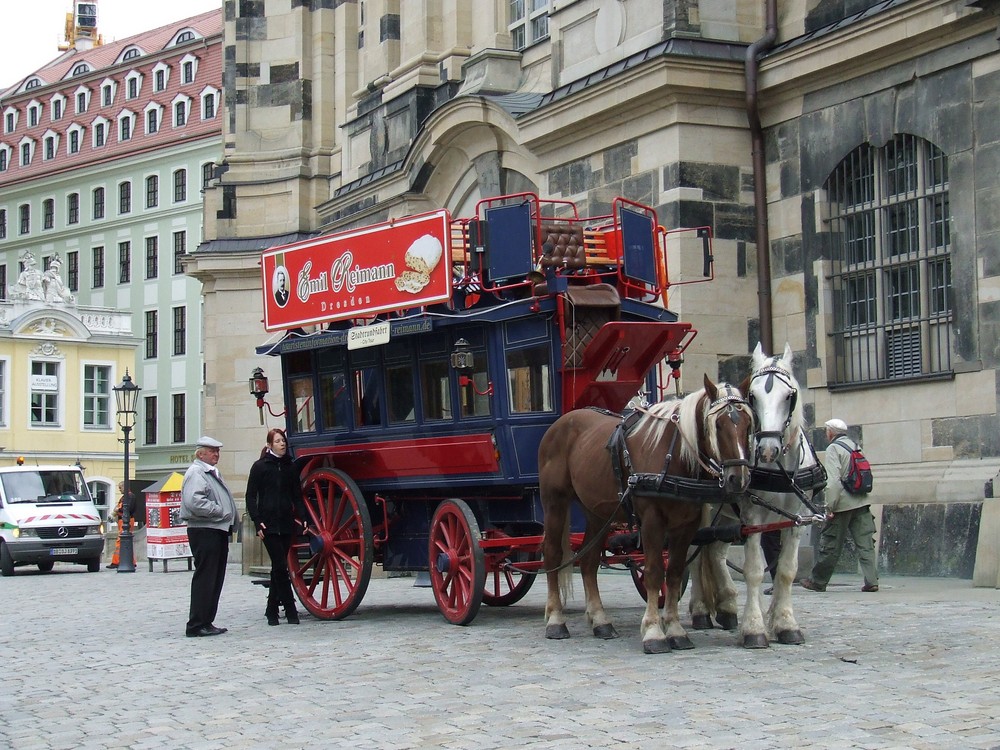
column 589, row 305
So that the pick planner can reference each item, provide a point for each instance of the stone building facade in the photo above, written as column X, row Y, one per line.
column 841, row 152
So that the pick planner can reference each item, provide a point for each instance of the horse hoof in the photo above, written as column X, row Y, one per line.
column 791, row 637
column 755, row 640
column 658, row 646
column 701, row 622
column 556, row 632
column 606, row 631
column 727, row 620
column 680, row 643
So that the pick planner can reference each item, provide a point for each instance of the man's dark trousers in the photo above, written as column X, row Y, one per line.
column 210, row 550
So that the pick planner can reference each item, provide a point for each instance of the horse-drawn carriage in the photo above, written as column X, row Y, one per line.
column 423, row 361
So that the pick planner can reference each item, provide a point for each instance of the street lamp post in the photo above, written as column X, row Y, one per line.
column 126, row 396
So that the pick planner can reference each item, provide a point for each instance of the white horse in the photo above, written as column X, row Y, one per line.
column 786, row 475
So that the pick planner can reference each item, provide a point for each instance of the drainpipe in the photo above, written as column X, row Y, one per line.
column 763, row 44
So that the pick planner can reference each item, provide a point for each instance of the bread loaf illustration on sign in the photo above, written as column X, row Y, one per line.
column 421, row 259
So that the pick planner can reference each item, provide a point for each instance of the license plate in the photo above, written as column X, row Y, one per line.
column 63, row 551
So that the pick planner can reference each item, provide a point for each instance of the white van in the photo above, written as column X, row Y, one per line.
column 47, row 516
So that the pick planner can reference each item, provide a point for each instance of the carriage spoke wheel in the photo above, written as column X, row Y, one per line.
column 639, row 579
column 505, row 587
column 456, row 561
column 330, row 568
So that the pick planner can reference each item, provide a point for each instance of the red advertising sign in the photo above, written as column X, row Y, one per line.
column 392, row 266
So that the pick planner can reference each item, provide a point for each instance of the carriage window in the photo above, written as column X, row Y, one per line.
column 399, row 387
column 367, row 397
column 305, row 404
column 334, row 400
column 472, row 403
column 529, row 375
column 435, row 387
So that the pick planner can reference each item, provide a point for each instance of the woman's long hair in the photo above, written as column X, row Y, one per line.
column 270, row 440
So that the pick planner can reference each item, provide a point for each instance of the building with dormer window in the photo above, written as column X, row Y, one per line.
column 81, row 141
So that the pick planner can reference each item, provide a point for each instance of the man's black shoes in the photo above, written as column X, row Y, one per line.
column 204, row 630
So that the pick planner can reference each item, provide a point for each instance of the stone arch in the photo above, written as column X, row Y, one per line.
column 50, row 324
column 467, row 150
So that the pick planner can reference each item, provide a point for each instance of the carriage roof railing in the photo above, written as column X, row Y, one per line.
column 521, row 241
column 514, row 247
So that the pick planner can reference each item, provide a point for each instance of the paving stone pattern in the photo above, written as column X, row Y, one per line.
column 101, row 661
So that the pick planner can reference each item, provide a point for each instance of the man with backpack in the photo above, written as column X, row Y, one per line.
column 848, row 484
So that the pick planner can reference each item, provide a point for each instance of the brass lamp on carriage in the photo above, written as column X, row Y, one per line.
column 463, row 362
column 259, row 389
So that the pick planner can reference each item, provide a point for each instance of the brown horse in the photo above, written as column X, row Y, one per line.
column 704, row 436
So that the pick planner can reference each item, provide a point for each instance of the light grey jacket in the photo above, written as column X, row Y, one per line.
column 837, row 462
column 206, row 501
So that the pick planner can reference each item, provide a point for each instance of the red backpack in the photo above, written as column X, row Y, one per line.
column 859, row 480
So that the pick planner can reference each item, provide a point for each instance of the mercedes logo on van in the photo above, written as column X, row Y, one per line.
column 62, row 532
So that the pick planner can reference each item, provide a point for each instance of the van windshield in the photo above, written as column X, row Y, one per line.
column 41, row 486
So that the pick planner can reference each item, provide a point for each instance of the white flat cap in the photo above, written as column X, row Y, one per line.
column 206, row 442
column 837, row 425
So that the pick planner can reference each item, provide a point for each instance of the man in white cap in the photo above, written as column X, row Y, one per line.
column 851, row 515
column 208, row 508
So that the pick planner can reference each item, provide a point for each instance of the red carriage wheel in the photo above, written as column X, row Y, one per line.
column 456, row 561
column 330, row 567
column 639, row 579
column 505, row 586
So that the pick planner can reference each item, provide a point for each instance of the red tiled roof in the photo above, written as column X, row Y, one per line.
column 209, row 73
column 207, row 24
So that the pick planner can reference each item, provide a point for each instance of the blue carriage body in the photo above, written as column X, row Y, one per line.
column 535, row 316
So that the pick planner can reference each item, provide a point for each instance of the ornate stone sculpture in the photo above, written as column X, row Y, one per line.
column 29, row 283
column 55, row 290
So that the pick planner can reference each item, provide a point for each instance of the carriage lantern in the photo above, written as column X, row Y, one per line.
column 463, row 362
column 259, row 389
column 461, row 357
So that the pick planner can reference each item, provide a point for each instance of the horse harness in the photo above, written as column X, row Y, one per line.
column 664, row 485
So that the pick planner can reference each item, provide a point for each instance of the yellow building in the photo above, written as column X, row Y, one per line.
column 58, row 365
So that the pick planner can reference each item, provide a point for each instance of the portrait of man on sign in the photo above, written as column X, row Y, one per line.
column 280, row 286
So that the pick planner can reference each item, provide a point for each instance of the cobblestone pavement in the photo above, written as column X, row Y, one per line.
column 101, row 661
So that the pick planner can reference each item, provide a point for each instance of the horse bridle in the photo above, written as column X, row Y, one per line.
column 731, row 401
column 771, row 372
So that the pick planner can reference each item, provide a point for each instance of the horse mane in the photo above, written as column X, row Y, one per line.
column 690, row 412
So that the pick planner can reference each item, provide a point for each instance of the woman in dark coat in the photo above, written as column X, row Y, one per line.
column 274, row 502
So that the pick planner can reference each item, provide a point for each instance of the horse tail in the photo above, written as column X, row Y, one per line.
column 566, row 574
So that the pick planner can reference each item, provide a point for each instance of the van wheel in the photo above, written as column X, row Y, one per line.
column 6, row 561
column 46, row 566
column 93, row 566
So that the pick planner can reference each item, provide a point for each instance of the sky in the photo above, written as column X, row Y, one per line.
column 34, row 29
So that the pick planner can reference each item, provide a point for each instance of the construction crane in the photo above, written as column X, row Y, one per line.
column 81, row 27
